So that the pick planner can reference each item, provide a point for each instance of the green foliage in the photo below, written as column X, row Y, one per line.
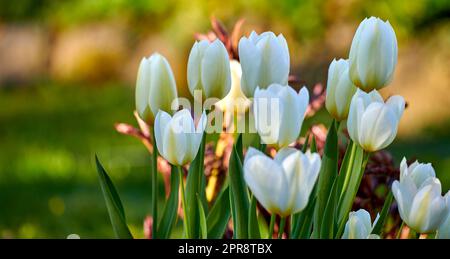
column 113, row 203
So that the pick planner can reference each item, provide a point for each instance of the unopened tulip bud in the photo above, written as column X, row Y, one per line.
column 373, row 54
column 444, row 229
column 155, row 87
column 208, row 69
column 340, row 90
column 265, row 61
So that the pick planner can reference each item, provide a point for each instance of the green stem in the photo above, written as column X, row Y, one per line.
column 183, row 202
column 399, row 233
column 349, row 169
column 272, row 225
column 281, row 229
column 154, row 177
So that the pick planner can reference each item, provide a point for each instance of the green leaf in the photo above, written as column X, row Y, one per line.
column 305, row 145
column 328, row 219
column 219, row 215
column 203, row 226
column 313, row 144
column 253, row 226
column 113, row 203
column 327, row 175
column 239, row 194
column 194, row 187
column 302, row 221
column 346, row 202
column 346, row 167
column 378, row 228
column 169, row 215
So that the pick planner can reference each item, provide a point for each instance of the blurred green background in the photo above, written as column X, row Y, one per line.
column 67, row 74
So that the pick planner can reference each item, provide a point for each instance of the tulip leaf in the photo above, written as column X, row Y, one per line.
column 378, row 228
column 194, row 187
column 327, row 175
column 253, row 226
column 239, row 194
column 346, row 201
column 219, row 215
column 346, row 168
column 113, row 203
column 328, row 219
column 305, row 145
column 302, row 221
column 169, row 215
column 313, row 147
column 203, row 226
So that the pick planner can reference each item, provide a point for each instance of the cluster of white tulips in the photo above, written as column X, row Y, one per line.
column 301, row 186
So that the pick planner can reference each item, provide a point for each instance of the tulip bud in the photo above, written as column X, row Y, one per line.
column 282, row 185
column 373, row 54
column 177, row 138
column 155, row 87
column 265, row 61
column 208, row 69
column 340, row 90
column 372, row 123
column 359, row 226
column 418, row 196
column 279, row 112
column 444, row 229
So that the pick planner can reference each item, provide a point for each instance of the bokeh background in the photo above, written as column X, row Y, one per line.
column 67, row 74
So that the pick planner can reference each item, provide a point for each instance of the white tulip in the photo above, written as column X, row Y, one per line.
column 208, row 69
column 340, row 90
column 279, row 112
column 155, row 87
column 418, row 196
column 177, row 138
column 444, row 229
column 283, row 184
column 372, row 123
column 359, row 226
column 373, row 54
column 265, row 61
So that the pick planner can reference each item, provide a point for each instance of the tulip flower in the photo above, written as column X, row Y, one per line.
column 444, row 229
column 235, row 100
column 372, row 123
column 359, row 226
column 177, row 138
column 340, row 90
column 279, row 112
column 208, row 69
column 283, row 184
column 265, row 61
column 418, row 196
column 155, row 87
column 373, row 54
